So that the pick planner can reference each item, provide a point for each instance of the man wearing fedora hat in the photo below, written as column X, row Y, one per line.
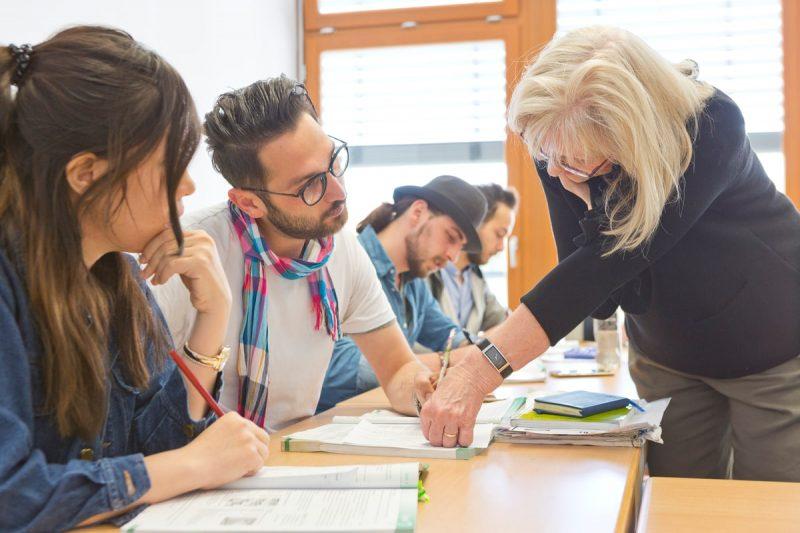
column 424, row 229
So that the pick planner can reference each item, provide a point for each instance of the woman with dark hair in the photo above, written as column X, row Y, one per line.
column 96, row 133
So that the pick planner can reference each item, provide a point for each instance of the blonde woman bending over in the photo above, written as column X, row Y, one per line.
column 659, row 205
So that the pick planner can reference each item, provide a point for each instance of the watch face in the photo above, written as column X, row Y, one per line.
column 495, row 357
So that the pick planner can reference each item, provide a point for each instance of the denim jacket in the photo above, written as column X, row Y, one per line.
column 417, row 311
column 48, row 482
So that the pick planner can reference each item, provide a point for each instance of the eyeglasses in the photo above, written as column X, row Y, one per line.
column 300, row 90
column 313, row 190
column 543, row 160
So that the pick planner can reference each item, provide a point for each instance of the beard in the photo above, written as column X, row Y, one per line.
column 416, row 263
column 298, row 227
column 477, row 259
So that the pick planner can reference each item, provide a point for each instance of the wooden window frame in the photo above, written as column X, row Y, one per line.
column 791, row 97
column 313, row 20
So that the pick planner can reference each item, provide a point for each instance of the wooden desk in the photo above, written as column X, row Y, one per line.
column 510, row 487
column 676, row 505
column 542, row 481
column 493, row 491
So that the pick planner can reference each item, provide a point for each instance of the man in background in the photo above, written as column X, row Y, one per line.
column 459, row 287
column 407, row 240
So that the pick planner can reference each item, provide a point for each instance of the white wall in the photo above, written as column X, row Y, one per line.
column 216, row 45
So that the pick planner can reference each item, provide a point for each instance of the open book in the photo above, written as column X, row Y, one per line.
column 490, row 413
column 391, row 440
column 390, row 434
column 362, row 498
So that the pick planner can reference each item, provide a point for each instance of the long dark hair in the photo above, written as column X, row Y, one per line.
column 86, row 89
column 384, row 214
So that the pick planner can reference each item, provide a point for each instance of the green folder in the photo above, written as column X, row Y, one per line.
column 604, row 421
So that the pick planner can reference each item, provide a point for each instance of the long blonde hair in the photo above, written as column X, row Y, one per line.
column 602, row 93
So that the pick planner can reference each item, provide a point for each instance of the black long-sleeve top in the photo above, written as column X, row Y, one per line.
column 716, row 292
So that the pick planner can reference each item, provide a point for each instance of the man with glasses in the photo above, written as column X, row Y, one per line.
column 298, row 282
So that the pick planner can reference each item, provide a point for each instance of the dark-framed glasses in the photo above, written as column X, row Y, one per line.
column 544, row 160
column 313, row 190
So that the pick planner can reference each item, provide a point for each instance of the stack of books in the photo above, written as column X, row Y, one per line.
column 585, row 418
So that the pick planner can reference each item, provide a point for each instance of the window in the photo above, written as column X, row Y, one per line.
column 340, row 14
column 349, row 6
column 411, row 113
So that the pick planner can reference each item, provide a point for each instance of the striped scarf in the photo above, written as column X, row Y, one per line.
column 253, row 361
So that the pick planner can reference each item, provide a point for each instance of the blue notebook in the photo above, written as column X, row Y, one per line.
column 579, row 403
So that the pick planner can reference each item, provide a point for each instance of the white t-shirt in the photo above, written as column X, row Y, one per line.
column 298, row 354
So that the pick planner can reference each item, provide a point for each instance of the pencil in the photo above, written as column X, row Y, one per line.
column 212, row 403
column 446, row 355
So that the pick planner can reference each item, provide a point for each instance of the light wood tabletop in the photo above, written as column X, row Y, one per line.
column 620, row 383
column 677, row 505
column 510, row 487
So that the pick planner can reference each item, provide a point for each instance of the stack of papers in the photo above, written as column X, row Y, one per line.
column 629, row 429
column 362, row 498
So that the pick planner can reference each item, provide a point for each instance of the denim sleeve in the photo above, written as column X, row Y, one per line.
column 36, row 495
column 340, row 380
column 153, row 431
column 435, row 326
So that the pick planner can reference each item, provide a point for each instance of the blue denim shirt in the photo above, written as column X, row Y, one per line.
column 50, row 483
column 417, row 312
column 460, row 291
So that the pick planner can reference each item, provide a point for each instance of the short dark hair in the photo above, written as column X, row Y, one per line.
column 495, row 194
column 242, row 121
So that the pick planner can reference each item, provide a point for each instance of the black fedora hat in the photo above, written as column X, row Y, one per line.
column 455, row 198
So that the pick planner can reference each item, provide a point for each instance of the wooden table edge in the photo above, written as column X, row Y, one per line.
column 626, row 519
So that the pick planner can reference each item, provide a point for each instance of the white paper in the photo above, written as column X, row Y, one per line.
column 406, row 436
column 532, row 372
column 490, row 413
column 397, row 475
column 281, row 510
column 330, row 433
column 653, row 412
column 556, row 353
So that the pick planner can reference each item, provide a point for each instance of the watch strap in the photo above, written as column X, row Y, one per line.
column 495, row 357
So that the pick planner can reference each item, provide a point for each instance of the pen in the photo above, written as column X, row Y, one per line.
column 193, row 379
column 636, row 405
column 446, row 356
